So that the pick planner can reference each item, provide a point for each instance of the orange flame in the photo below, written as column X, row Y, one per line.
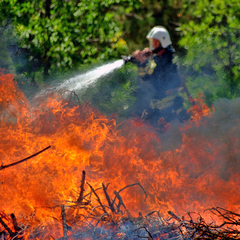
column 199, row 108
column 184, row 179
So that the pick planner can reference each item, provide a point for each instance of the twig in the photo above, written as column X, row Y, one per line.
column 159, row 218
column 80, row 198
column 174, row 216
column 15, row 224
column 108, row 198
column 12, row 234
column 91, row 193
column 105, row 214
column 90, row 213
column 200, row 229
column 149, row 234
column 131, row 186
column 98, row 199
column 23, row 160
column 120, row 201
column 64, row 223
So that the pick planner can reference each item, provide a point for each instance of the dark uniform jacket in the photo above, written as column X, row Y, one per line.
column 160, row 84
column 161, row 72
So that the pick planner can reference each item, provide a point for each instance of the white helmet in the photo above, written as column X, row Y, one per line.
column 161, row 34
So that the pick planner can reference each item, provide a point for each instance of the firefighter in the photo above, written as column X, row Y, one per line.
column 158, row 93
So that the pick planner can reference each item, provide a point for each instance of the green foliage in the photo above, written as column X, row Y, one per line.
column 10, row 59
column 65, row 34
column 6, row 36
column 59, row 35
column 145, row 15
column 55, row 36
column 211, row 38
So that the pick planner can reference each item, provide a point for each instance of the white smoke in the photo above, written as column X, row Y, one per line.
column 221, row 129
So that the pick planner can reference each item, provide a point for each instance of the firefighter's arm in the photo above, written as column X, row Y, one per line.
column 146, row 64
column 146, row 69
column 143, row 55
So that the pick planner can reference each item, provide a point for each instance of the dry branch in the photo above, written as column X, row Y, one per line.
column 120, row 201
column 64, row 222
column 149, row 234
column 201, row 229
column 15, row 224
column 108, row 198
column 131, row 185
column 174, row 216
column 12, row 234
column 23, row 160
column 98, row 199
column 80, row 198
column 92, row 221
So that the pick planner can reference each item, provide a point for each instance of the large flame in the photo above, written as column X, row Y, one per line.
column 200, row 172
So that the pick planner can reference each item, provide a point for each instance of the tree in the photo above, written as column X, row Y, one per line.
column 63, row 34
column 5, row 56
column 210, row 36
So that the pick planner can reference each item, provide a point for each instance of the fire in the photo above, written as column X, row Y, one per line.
column 199, row 174
column 199, row 108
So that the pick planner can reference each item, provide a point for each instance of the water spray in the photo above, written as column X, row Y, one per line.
column 83, row 81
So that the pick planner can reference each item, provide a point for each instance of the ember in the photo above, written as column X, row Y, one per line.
column 51, row 198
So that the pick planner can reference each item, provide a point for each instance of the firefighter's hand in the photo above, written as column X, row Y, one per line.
column 142, row 55
column 146, row 52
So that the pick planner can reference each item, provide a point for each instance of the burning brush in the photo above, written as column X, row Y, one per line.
column 104, row 218
column 190, row 167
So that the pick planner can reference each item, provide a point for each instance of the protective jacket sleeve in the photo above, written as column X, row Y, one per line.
column 161, row 72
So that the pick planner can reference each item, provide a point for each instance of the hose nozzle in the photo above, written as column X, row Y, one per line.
column 130, row 59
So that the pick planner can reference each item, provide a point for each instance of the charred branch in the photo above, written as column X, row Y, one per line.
column 149, row 234
column 23, row 160
column 92, row 221
column 134, row 184
column 117, row 195
column 98, row 199
column 120, row 201
column 11, row 233
column 15, row 224
column 111, row 206
column 200, row 229
column 173, row 215
column 80, row 198
column 64, row 222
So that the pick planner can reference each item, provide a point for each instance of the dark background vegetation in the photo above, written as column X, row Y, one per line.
column 45, row 39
